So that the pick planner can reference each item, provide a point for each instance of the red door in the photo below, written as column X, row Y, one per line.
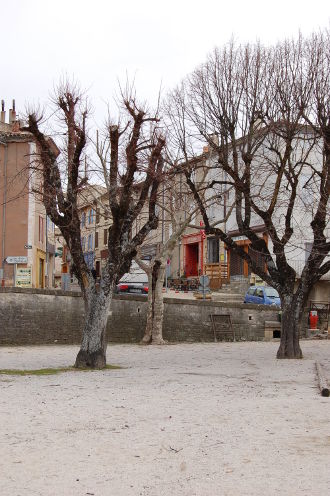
column 191, row 266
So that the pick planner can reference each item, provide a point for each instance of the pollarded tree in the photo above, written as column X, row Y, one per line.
column 179, row 212
column 134, row 155
column 265, row 116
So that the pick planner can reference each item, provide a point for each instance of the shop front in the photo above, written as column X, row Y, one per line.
column 193, row 254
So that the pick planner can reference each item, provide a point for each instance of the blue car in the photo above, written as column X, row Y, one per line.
column 262, row 295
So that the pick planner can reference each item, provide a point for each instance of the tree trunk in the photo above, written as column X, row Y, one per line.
column 148, row 330
column 93, row 348
column 292, row 312
column 154, row 328
column 158, row 308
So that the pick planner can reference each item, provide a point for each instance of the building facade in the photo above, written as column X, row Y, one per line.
column 27, row 241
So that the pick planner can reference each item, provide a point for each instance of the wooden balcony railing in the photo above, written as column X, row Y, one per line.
column 218, row 274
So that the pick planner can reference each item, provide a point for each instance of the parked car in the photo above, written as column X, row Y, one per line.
column 133, row 282
column 131, row 287
column 262, row 295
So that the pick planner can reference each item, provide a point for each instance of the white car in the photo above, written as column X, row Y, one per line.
column 134, row 282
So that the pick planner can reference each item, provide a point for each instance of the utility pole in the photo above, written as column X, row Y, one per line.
column 3, row 244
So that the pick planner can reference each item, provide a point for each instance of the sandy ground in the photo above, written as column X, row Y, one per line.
column 188, row 420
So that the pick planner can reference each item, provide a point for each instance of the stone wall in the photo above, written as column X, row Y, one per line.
column 39, row 316
column 190, row 321
column 36, row 316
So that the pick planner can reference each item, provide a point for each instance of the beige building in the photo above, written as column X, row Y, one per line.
column 27, row 245
column 95, row 220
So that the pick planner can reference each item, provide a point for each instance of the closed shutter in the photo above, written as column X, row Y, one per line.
column 258, row 258
column 236, row 264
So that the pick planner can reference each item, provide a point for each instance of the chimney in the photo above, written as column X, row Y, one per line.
column 14, row 111
column 12, row 114
column 3, row 113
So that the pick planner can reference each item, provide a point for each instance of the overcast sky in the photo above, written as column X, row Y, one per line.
column 157, row 42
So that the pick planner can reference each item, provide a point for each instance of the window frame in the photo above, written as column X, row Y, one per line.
column 90, row 242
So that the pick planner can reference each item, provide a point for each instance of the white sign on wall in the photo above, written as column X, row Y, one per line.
column 16, row 260
column 23, row 277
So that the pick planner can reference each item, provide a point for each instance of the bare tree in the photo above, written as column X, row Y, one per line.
column 134, row 156
column 177, row 213
column 250, row 104
column 180, row 212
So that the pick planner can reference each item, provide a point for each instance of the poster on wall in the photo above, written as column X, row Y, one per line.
column 23, row 277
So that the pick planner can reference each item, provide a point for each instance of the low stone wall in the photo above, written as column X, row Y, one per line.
column 186, row 320
column 190, row 321
column 36, row 316
column 39, row 316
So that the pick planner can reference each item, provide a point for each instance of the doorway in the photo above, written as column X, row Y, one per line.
column 192, row 255
column 41, row 273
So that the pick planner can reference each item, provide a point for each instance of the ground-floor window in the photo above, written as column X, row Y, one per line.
column 213, row 250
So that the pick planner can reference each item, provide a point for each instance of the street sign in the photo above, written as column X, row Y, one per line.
column 16, row 260
column 28, row 247
column 23, row 278
column 204, row 281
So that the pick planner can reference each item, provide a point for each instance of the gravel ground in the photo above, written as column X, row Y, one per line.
column 187, row 420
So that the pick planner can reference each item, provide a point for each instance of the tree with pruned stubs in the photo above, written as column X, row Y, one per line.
column 265, row 114
column 132, row 170
column 176, row 213
column 179, row 213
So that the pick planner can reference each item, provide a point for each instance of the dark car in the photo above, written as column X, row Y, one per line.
column 262, row 295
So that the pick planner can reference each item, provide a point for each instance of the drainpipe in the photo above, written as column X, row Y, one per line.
column 179, row 257
column 4, row 210
column 46, row 271
column 163, row 215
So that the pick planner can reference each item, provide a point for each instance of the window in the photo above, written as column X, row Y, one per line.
column 271, row 293
column 308, row 249
column 251, row 291
column 97, row 220
column 213, row 250
column 91, row 216
column 105, row 236
column 83, row 243
column 41, row 229
column 307, row 196
column 49, row 224
column 96, row 239
column 259, row 292
column 83, row 219
column 90, row 242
